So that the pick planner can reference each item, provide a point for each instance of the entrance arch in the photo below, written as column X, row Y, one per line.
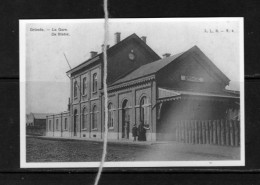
column 125, row 120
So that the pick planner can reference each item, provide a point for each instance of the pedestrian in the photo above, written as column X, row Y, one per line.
column 146, row 127
column 141, row 132
column 134, row 131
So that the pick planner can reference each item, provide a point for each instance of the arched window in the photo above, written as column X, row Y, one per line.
column 110, row 116
column 84, row 118
column 75, row 89
column 144, row 110
column 65, row 124
column 94, row 85
column 84, row 85
column 94, row 117
column 57, row 124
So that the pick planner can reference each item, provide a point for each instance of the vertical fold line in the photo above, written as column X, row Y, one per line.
column 106, row 33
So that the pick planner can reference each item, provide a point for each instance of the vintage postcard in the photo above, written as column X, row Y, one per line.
column 175, row 92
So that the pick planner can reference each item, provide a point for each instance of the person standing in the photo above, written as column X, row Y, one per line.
column 134, row 131
column 141, row 132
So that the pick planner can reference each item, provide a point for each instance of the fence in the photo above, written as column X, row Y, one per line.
column 34, row 130
column 218, row 132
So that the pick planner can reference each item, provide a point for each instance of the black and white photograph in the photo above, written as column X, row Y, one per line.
column 175, row 89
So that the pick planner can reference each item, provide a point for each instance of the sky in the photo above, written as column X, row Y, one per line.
column 47, row 85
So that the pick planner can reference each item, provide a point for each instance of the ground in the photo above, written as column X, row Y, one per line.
column 40, row 149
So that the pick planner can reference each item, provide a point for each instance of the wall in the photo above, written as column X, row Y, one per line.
column 133, row 95
column 58, row 130
column 87, row 101
column 120, row 59
column 170, row 77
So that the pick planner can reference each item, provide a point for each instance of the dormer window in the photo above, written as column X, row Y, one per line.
column 94, row 85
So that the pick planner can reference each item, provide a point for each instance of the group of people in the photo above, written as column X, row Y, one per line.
column 139, row 132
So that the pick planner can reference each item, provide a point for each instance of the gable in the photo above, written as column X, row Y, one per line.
column 128, row 57
column 192, row 71
column 208, row 64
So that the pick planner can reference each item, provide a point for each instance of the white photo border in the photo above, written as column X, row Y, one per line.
column 22, row 65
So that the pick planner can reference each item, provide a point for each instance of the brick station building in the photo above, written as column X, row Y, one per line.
column 180, row 97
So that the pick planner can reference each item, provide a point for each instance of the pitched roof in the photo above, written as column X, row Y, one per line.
column 155, row 66
column 148, row 69
column 40, row 115
column 111, row 50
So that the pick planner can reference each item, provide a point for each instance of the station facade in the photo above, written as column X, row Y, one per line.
column 173, row 96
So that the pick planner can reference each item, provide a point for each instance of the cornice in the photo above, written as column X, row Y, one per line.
column 139, row 81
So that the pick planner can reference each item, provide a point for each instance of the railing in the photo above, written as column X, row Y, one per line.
column 218, row 132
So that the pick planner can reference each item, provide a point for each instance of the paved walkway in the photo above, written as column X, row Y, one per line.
column 201, row 149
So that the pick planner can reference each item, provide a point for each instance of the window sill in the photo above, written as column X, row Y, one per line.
column 84, row 129
column 84, row 95
column 94, row 129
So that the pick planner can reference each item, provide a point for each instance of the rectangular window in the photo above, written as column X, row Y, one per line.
column 75, row 89
column 84, row 86
column 84, row 121
column 94, row 117
column 111, row 119
column 65, row 124
column 49, row 125
column 57, row 124
column 94, row 82
column 95, row 121
column 87, row 120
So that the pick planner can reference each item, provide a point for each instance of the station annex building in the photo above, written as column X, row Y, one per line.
column 180, row 97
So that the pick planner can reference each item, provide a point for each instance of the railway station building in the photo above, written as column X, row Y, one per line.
column 181, row 97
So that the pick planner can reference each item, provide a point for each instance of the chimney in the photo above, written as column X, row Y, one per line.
column 117, row 37
column 166, row 55
column 144, row 39
column 93, row 54
column 102, row 47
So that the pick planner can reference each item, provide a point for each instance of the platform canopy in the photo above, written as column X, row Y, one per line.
column 171, row 95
